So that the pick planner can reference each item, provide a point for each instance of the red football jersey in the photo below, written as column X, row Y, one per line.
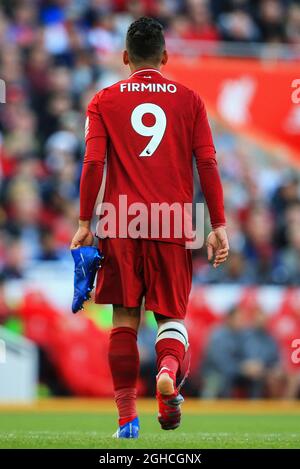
column 152, row 126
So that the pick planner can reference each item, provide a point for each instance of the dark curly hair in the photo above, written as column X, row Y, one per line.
column 145, row 40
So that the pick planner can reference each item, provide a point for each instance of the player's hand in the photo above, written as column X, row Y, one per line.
column 217, row 246
column 82, row 237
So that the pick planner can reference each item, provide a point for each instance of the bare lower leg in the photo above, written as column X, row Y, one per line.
column 126, row 317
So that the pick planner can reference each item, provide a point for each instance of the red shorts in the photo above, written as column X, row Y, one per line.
column 136, row 268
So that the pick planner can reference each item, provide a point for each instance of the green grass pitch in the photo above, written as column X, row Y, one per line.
column 94, row 430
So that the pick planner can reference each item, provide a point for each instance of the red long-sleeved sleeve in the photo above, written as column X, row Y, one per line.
column 207, row 167
column 94, row 159
column 91, row 176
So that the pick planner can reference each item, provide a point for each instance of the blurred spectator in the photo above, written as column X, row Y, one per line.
column 236, row 270
column 200, row 25
column 14, row 260
column 270, row 19
column 238, row 25
column 293, row 24
column 241, row 358
column 259, row 247
column 5, row 309
column 261, row 361
column 221, row 367
column 49, row 250
column 290, row 256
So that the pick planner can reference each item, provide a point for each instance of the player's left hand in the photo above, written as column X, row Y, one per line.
column 82, row 237
column 217, row 246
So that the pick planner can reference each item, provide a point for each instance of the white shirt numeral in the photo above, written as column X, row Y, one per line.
column 155, row 131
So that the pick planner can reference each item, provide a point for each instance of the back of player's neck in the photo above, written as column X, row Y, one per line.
column 144, row 67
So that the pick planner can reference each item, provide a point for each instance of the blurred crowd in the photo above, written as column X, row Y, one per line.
column 245, row 353
column 242, row 358
column 246, row 350
column 262, row 199
column 54, row 55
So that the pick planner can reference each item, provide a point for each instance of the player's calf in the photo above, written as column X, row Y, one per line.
column 171, row 346
column 124, row 365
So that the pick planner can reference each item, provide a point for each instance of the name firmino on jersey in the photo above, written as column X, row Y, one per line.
column 153, row 87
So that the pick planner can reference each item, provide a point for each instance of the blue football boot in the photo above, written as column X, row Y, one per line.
column 87, row 261
column 129, row 430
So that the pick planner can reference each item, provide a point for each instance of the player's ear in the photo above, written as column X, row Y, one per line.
column 165, row 57
column 125, row 58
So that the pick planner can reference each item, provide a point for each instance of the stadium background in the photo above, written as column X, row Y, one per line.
column 242, row 57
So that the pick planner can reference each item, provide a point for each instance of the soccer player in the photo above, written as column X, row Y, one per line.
column 148, row 128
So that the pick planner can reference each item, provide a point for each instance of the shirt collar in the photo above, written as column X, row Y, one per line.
column 142, row 70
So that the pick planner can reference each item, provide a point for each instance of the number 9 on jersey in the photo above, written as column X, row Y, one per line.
column 155, row 131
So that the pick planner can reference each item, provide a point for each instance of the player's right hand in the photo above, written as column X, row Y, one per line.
column 82, row 237
column 217, row 246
